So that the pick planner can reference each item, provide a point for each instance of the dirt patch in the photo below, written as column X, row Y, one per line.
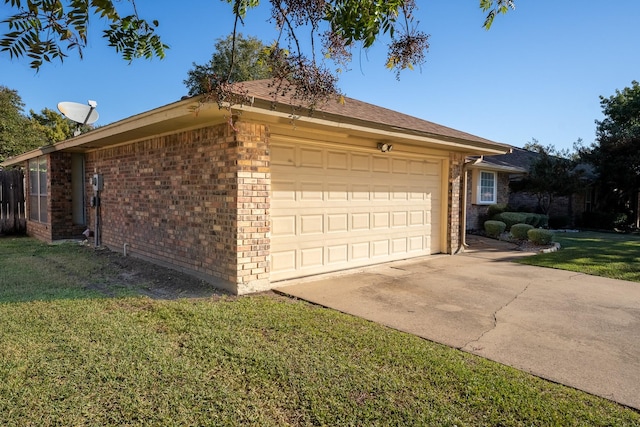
column 120, row 275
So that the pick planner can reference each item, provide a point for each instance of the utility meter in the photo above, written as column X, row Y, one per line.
column 97, row 182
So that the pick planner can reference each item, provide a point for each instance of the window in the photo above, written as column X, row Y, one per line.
column 487, row 193
column 38, row 189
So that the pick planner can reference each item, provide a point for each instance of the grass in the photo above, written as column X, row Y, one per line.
column 30, row 270
column 616, row 256
column 71, row 357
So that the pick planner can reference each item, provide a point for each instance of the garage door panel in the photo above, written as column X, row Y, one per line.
column 283, row 190
column 380, row 220
column 399, row 219
column 399, row 246
column 360, row 162
column 337, row 254
column 283, row 225
column 337, row 192
column 338, row 209
column 311, row 224
column 337, row 160
column 399, row 166
column 381, row 164
column 416, row 218
column 282, row 154
column 311, row 191
column 337, row 223
column 312, row 257
column 311, row 158
column 360, row 251
column 380, row 248
column 284, row 262
column 416, row 243
column 361, row 192
column 360, row 221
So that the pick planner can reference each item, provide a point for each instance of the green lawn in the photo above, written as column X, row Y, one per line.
column 73, row 357
column 601, row 254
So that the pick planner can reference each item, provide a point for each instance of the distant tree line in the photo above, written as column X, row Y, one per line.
column 20, row 132
column 609, row 167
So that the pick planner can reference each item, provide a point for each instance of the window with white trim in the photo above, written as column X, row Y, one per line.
column 487, row 188
column 38, row 189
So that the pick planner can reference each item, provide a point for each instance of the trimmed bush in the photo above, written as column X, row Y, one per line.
column 494, row 210
column 540, row 236
column 513, row 218
column 494, row 228
column 519, row 231
column 538, row 220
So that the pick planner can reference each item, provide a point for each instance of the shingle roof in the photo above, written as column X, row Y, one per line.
column 359, row 115
column 518, row 160
column 371, row 114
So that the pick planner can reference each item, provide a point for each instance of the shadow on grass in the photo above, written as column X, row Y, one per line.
column 31, row 270
column 610, row 255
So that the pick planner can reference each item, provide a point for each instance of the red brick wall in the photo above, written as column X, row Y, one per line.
column 475, row 212
column 253, row 204
column 456, row 163
column 196, row 200
column 61, row 201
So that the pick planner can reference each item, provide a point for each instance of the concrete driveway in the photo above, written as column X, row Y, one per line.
column 578, row 330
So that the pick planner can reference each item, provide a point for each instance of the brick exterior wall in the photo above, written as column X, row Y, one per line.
column 476, row 213
column 196, row 200
column 60, row 224
column 456, row 163
column 571, row 207
column 61, row 201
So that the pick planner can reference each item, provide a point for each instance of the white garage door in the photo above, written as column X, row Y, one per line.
column 333, row 210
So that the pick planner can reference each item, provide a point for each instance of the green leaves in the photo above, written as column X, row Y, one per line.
column 495, row 7
column 45, row 30
column 364, row 21
column 135, row 38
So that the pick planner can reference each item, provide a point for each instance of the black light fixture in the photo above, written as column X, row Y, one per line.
column 384, row 147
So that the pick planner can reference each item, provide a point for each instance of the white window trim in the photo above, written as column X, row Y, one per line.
column 478, row 182
column 38, row 197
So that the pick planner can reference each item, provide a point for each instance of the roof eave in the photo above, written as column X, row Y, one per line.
column 176, row 116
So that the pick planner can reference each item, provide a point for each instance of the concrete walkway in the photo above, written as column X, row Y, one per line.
column 578, row 330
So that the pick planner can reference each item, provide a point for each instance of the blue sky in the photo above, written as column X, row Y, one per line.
column 537, row 73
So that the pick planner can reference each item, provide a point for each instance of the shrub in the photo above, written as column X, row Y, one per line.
column 539, row 220
column 494, row 210
column 494, row 228
column 519, row 231
column 513, row 218
column 540, row 236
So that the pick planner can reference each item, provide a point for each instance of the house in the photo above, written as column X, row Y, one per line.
column 247, row 196
column 488, row 179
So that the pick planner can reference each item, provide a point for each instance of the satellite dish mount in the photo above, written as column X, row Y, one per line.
column 79, row 113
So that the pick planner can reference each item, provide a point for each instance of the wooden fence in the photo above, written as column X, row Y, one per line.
column 12, row 206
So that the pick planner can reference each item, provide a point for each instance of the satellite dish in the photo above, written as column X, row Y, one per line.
column 79, row 113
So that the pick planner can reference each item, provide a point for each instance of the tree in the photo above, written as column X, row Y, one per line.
column 18, row 133
column 53, row 125
column 234, row 60
column 41, row 28
column 616, row 151
column 554, row 173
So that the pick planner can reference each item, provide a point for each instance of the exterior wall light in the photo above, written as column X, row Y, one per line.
column 384, row 147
